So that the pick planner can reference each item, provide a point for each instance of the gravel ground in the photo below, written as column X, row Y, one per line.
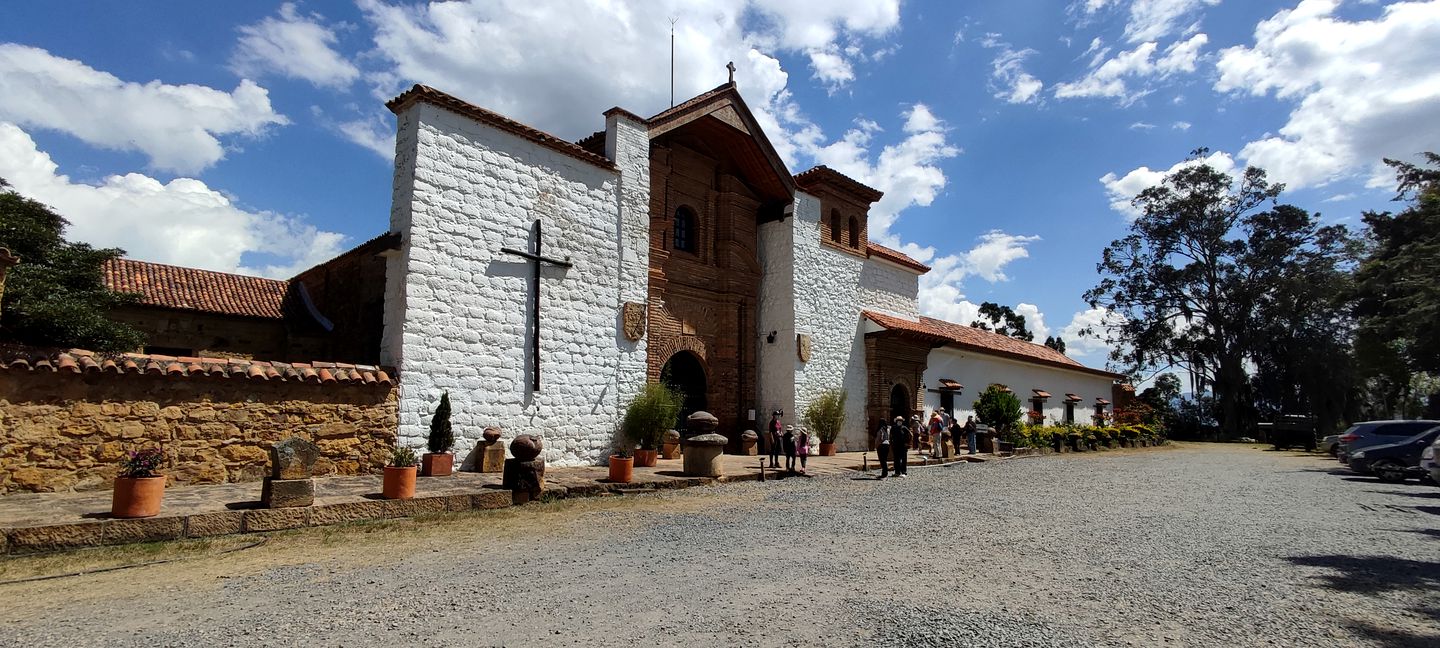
column 1195, row 546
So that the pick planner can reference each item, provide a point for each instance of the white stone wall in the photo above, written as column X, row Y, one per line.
column 827, row 307
column 457, row 315
column 890, row 288
column 978, row 370
column 776, row 361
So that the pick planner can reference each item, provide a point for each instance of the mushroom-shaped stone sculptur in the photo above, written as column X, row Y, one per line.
column 526, row 447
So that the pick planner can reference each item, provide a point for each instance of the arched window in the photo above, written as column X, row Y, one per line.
column 854, row 232
column 835, row 226
column 685, row 229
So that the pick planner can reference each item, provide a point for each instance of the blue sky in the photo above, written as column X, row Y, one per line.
column 1007, row 136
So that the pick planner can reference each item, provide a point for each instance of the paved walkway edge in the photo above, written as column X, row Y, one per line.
column 102, row 532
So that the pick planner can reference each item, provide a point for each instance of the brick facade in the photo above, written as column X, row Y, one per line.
column 704, row 301
column 892, row 359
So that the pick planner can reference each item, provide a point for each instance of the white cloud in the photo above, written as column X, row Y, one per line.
column 181, row 222
column 1034, row 320
column 1340, row 198
column 908, row 171
column 557, row 66
column 176, row 126
column 296, row 46
column 1153, row 19
column 1145, row 126
column 1094, row 320
column 941, row 294
column 1362, row 90
column 1181, row 126
column 1008, row 78
column 1123, row 189
column 1129, row 75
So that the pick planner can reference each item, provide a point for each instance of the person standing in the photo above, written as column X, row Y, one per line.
column 789, row 441
column 917, row 432
column 900, row 446
column 882, row 448
column 937, row 428
column 970, row 432
column 802, row 447
column 774, row 429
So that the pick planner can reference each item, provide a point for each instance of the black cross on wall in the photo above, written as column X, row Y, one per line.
column 536, row 258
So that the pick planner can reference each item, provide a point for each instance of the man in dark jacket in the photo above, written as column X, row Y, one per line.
column 900, row 446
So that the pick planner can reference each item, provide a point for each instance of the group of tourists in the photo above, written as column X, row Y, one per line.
column 781, row 438
column 893, row 439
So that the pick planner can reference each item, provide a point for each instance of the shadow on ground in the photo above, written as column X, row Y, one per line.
column 1373, row 575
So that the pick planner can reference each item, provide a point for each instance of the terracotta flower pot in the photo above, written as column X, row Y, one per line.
column 646, row 458
column 436, row 464
column 827, row 449
column 670, row 451
column 621, row 469
column 137, row 497
column 399, row 483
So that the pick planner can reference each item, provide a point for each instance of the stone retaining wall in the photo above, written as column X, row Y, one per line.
column 61, row 431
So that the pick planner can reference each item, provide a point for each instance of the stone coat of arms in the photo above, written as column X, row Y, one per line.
column 802, row 347
column 632, row 318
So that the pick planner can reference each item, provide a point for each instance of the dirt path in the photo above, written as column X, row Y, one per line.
column 1203, row 545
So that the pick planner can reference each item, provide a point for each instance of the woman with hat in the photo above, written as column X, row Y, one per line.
column 900, row 446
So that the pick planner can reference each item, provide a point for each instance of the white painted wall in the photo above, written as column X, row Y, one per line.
column 776, row 361
column 827, row 307
column 457, row 311
column 978, row 370
column 890, row 288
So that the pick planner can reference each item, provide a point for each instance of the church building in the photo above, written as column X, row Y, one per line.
column 542, row 282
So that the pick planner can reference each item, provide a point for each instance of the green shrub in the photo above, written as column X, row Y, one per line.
column 999, row 408
column 826, row 414
column 403, row 457
column 442, row 438
column 653, row 411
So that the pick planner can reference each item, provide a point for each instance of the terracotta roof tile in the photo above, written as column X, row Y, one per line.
column 825, row 175
column 458, row 106
column 194, row 289
column 1072, row 398
column 682, row 106
column 19, row 359
column 895, row 256
column 946, row 383
column 967, row 337
column 1040, row 393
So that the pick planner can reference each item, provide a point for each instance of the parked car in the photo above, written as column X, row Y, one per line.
column 1289, row 431
column 1330, row 445
column 1371, row 433
column 1429, row 463
column 1394, row 462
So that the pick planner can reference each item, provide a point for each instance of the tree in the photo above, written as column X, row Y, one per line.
column 442, row 436
column 1057, row 343
column 1002, row 320
column 1198, row 272
column 56, row 297
column 1398, row 296
column 999, row 408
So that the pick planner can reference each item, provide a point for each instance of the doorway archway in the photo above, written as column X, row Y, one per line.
column 900, row 403
column 684, row 372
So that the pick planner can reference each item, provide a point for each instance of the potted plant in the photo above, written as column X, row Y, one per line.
column 400, row 475
column 622, row 466
column 653, row 411
column 999, row 408
column 826, row 416
column 139, row 490
column 438, row 462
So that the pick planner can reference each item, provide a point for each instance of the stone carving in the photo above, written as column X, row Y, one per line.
column 492, row 451
column 802, row 346
column 526, row 447
column 749, row 442
column 292, row 463
column 702, row 455
column 702, row 423
column 293, row 458
column 633, row 320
